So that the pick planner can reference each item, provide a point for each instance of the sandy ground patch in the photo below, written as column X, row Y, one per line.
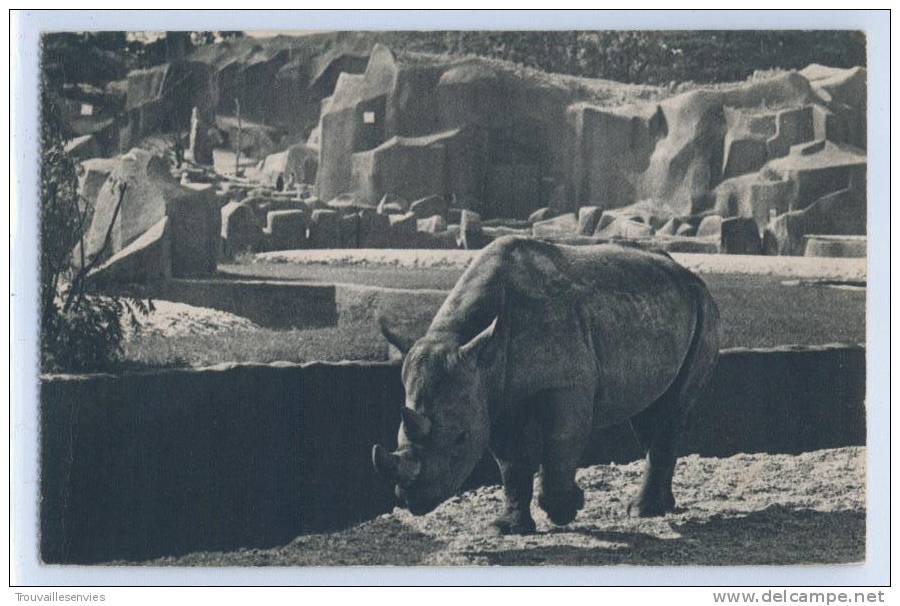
column 171, row 319
column 746, row 509
column 787, row 267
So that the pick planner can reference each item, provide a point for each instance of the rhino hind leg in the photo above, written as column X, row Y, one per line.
column 657, row 429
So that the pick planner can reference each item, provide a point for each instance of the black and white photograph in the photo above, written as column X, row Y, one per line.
column 451, row 297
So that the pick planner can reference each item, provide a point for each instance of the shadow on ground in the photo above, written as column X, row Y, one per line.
column 775, row 535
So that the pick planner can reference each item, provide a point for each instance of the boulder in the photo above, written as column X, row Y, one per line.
column 296, row 165
column 403, row 230
column 835, row 246
column 444, row 240
column 325, row 229
column 150, row 190
column 346, row 204
column 561, row 226
column 710, row 226
column 349, row 230
column 429, row 206
column 543, row 214
column 588, row 217
column 254, row 139
column 195, row 232
column 262, row 206
column 431, row 225
column 374, row 230
column 670, row 227
column 838, row 213
column 92, row 174
column 470, row 230
column 391, row 208
column 499, row 231
column 390, row 202
column 685, row 230
column 146, row 260
column 740, row 236
column 241, row 231
column 624, row 228
column 285, row 229
column 648, row 212
column 756, row 195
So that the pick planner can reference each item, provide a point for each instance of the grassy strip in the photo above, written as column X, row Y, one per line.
column 757, row 311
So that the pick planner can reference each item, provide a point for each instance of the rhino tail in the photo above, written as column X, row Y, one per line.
column 703, row 353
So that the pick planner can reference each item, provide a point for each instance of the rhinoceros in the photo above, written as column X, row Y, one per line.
column 536, row 345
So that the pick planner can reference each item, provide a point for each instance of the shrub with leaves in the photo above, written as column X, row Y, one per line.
column 79, row 331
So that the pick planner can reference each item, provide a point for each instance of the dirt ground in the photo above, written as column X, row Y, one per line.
column 746, row 509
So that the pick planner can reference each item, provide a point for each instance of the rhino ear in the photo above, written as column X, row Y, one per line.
column 482, row 345
column 401, row 342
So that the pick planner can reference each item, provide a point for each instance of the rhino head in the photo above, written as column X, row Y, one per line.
column 445, row 422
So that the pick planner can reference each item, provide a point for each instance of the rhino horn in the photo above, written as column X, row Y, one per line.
column 415, row 424
column 386, row 464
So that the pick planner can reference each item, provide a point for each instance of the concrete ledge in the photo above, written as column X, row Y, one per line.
column 834, row 246
column 248, row 455
column 788, row 267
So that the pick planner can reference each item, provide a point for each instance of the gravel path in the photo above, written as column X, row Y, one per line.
column 746, row 509
column 786, row 267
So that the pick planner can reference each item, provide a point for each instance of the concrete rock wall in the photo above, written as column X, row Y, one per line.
column 173, row 461
column 532, row 143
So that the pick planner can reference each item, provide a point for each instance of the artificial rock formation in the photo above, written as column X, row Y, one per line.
column 150, row 194
column 504, row 141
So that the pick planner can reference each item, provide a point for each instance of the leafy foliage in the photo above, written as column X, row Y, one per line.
column 78, row 331
column 648, row 57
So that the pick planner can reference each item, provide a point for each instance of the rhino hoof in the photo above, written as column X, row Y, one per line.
column 513, row 524
column 644, row 507
column 562, row 509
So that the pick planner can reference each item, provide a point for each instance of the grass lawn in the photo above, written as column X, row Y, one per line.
column 757, row 311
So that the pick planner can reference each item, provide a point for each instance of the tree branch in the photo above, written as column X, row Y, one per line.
column 77, row 287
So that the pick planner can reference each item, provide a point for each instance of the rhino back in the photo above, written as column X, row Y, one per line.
column 617, row 319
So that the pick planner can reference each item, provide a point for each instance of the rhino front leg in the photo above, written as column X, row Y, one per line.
column 566, row 420
column 516, row 447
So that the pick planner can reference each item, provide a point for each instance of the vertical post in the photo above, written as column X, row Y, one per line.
column 237, row 156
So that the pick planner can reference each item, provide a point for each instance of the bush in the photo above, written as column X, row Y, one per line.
column 79, row 332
